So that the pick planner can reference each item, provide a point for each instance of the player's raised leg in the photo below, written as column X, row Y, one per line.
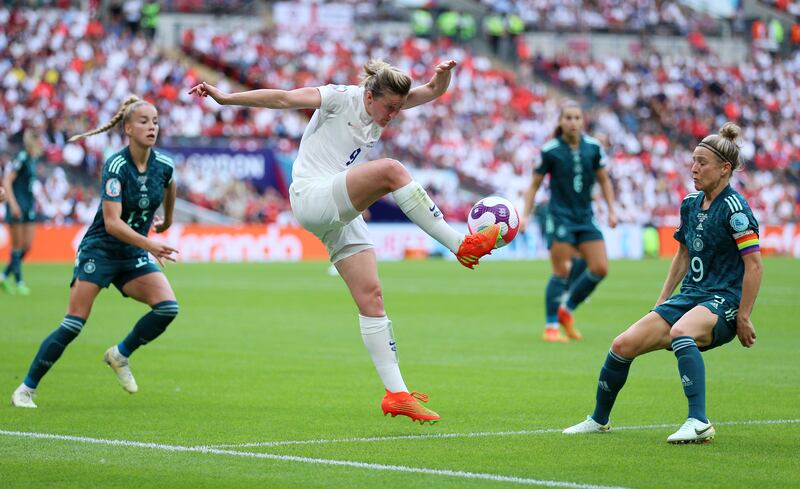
column 368, row 182
column 360, row 273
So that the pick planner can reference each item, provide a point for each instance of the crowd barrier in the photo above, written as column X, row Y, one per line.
column 260, row 243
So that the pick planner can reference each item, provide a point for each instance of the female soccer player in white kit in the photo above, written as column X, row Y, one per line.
column 332, row 185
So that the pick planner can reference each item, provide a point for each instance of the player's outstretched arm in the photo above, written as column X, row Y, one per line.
column 751, row 282
column 677, row 270
column 434, row 88
column 300, row 98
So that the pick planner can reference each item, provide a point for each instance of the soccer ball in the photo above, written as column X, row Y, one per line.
column 495, row 210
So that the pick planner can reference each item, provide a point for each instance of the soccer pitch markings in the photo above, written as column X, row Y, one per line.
column 211, row 450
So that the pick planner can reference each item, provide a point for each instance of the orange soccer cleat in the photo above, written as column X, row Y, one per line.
column 553, row 336
column 477, row 244
column 568, row 323
column 407, row 404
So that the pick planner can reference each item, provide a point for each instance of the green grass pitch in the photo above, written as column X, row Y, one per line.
column 264, row 354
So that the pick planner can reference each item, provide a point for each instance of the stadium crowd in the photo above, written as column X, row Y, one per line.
column 71, row 72
column 664, row 17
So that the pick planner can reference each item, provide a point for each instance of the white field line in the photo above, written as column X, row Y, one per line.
column 309, row 460
column 475, row 434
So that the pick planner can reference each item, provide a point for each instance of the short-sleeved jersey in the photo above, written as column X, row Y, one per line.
column 24, row 167
column 572, row 176
column 140, row 195
column 717, row 238
column 338, row 135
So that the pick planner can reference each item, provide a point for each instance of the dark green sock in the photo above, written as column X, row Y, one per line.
column 52, row 348
column 583, row 286
column 552, row 297
column 149, row 327
column 693, row 375
column 612, row 378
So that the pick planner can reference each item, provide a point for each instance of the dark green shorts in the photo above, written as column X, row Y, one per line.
column 679, row 304
column 27, row 214
column 103, row 271
column 570, row 232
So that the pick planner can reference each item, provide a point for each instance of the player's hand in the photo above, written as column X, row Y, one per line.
column 612, row 219
column 2, row 194
column 162, row 252
column 523, row 223
column 445, row 66
column 16, row 212
column 159, row 224
column 745, row 331
column 206, row 89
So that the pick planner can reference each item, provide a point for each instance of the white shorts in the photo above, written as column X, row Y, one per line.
column 322, row 206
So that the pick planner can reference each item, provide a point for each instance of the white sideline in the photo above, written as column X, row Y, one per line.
column 309, row 460
column 477, row 434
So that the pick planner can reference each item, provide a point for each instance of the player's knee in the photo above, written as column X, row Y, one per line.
column 395, row 174
column 677, row 331
column 370, row 301
column 599, row 270
column 624, row 347
column 166, row 309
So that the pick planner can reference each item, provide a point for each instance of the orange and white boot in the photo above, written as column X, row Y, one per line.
column 408, row 404
column 478, row 244
column 566, row 320
column 553, row 335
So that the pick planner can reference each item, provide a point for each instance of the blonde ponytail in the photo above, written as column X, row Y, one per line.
column 124, row 112
column 379, row 77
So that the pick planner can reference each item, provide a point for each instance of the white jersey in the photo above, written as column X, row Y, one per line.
column 338, row 135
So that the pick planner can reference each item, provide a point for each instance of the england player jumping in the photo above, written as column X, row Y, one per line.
column 332, row 185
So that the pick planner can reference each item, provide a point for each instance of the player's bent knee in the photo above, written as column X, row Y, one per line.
column 166, row 309
column 395, row 173
column 624, row 347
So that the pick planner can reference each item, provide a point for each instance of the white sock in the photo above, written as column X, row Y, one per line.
column 379, row 340
column 551, row 326
column 24, row 388
column 415, row 203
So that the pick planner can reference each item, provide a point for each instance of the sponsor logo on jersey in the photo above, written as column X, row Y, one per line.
column 739, row 221
column 113, row 187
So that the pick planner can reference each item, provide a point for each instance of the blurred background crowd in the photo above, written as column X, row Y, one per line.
column 66, row 66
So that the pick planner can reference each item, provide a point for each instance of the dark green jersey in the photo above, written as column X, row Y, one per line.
column 140, row 195
column 717, row 238
column 24, row 166
column 572, row 177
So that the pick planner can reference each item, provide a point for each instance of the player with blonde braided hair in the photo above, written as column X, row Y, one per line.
column 136, row 181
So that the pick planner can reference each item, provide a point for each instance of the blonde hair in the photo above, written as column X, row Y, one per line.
column 724, row 144
column 123, row 114
column 379, row 77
